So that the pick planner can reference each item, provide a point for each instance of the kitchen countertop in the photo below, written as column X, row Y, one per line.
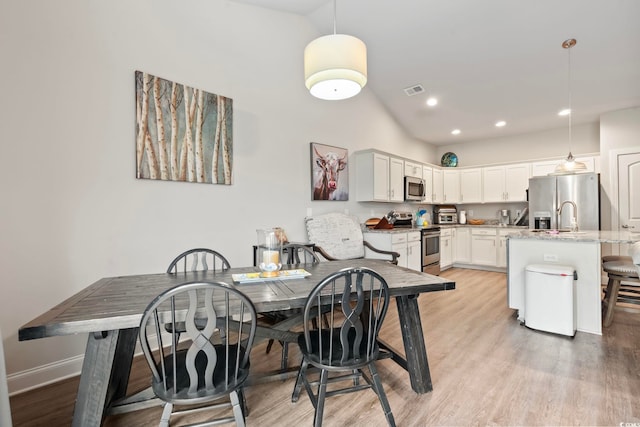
column 601, row 236
column 415, row 228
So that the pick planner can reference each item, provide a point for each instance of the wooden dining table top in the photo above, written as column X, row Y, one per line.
column 115, row 303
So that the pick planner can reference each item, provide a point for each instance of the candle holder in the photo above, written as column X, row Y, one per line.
column 269, row 251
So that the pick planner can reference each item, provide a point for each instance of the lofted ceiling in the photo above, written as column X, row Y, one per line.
column 489, row 60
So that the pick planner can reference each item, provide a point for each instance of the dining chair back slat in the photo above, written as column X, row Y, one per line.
column 198, row 259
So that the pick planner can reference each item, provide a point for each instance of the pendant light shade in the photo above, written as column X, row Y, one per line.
column 335, row 66
column 569, row 165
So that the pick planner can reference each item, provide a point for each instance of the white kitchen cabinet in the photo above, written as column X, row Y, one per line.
column 483, row 246
column 451, row 186
column 396, row 180
column 427, row 176
column 414, row 251
column 406, row 244
column 446, row 248
column 379, row 177
column 470, row 185
column 412, row 169
column 506, row 183
column 438, row 186
column 501, row 260
column 463, row 245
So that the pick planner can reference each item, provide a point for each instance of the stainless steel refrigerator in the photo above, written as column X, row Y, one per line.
column 547, row 194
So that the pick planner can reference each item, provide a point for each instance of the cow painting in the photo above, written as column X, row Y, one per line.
column 330, row 174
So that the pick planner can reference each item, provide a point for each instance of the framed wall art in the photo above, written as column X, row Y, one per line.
column 329, row 172
column 182, row 133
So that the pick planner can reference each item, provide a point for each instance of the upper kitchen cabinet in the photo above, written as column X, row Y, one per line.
column 437, row 194
column 427, row 176
column 507, row 183
column 451, row 186
column 471, row 185
column 549, row 166
column 379, row 177
column 412, row 169
column 396, row 180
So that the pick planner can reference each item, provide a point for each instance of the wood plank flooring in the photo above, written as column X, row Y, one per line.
column 486, row 369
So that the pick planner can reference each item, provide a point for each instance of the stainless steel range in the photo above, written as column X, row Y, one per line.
column 431, row 250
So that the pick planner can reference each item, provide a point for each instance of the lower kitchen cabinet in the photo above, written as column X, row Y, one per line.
column 414, row 251
column 483, row 246
column 408, row 245
column 446, row 247
column 502, row 248
column 463, row 245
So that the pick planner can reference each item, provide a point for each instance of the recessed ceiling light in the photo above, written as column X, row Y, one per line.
column 500, row 124
column 431, row 102
column 564, row 112
column 455, row 132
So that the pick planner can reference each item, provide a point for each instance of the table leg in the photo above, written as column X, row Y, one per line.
column 414, row 346
column 105, row 374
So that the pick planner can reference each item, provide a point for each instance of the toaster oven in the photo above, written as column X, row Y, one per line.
column 447, row 214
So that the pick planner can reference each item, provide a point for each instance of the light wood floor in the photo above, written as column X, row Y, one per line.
column 486, row 369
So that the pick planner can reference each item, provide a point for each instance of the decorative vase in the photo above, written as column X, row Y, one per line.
column 269, row 251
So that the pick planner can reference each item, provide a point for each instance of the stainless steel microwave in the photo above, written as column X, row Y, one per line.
column 413, row 189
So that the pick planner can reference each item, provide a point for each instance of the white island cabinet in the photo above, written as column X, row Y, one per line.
column 579, row 250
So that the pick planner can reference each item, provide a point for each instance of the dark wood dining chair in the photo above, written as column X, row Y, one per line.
column 211, row 360
column 358, row 299
column 294, row 254
column 198, row 259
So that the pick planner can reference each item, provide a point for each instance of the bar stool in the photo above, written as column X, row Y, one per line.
column 624, row 283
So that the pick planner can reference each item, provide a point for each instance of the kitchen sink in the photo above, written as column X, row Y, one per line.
column 562, row 230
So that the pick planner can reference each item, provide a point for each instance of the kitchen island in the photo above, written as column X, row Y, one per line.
column 581, row 250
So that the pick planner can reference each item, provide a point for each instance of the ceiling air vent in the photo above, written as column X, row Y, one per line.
column 413, row 90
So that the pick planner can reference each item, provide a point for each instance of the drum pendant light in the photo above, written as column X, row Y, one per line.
column 335, row 66
column 569, row 165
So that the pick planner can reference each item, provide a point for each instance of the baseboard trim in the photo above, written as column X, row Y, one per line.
column 23, row 381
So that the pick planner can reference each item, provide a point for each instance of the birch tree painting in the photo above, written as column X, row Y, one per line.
column 182, row 133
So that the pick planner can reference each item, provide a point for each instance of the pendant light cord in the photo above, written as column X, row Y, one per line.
column 570, row 104
column 334, row 17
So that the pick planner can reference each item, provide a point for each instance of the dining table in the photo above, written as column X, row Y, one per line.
column 109, row 312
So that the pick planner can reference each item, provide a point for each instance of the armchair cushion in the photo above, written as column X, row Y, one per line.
column 338, row 234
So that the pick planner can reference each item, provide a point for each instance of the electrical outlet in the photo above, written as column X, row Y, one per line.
column 550, row 257
column 518, row 212
column 471, row 213
column 309, row 212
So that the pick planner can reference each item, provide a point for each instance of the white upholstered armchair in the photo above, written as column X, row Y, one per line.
column 339, row 236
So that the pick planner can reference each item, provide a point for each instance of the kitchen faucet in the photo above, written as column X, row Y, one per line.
column 574, row 219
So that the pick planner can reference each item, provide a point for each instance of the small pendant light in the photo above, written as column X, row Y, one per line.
column 335, row 66
column 569, row 165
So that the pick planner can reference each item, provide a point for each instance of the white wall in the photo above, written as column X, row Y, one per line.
column 73, row 211
column 532, row 146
